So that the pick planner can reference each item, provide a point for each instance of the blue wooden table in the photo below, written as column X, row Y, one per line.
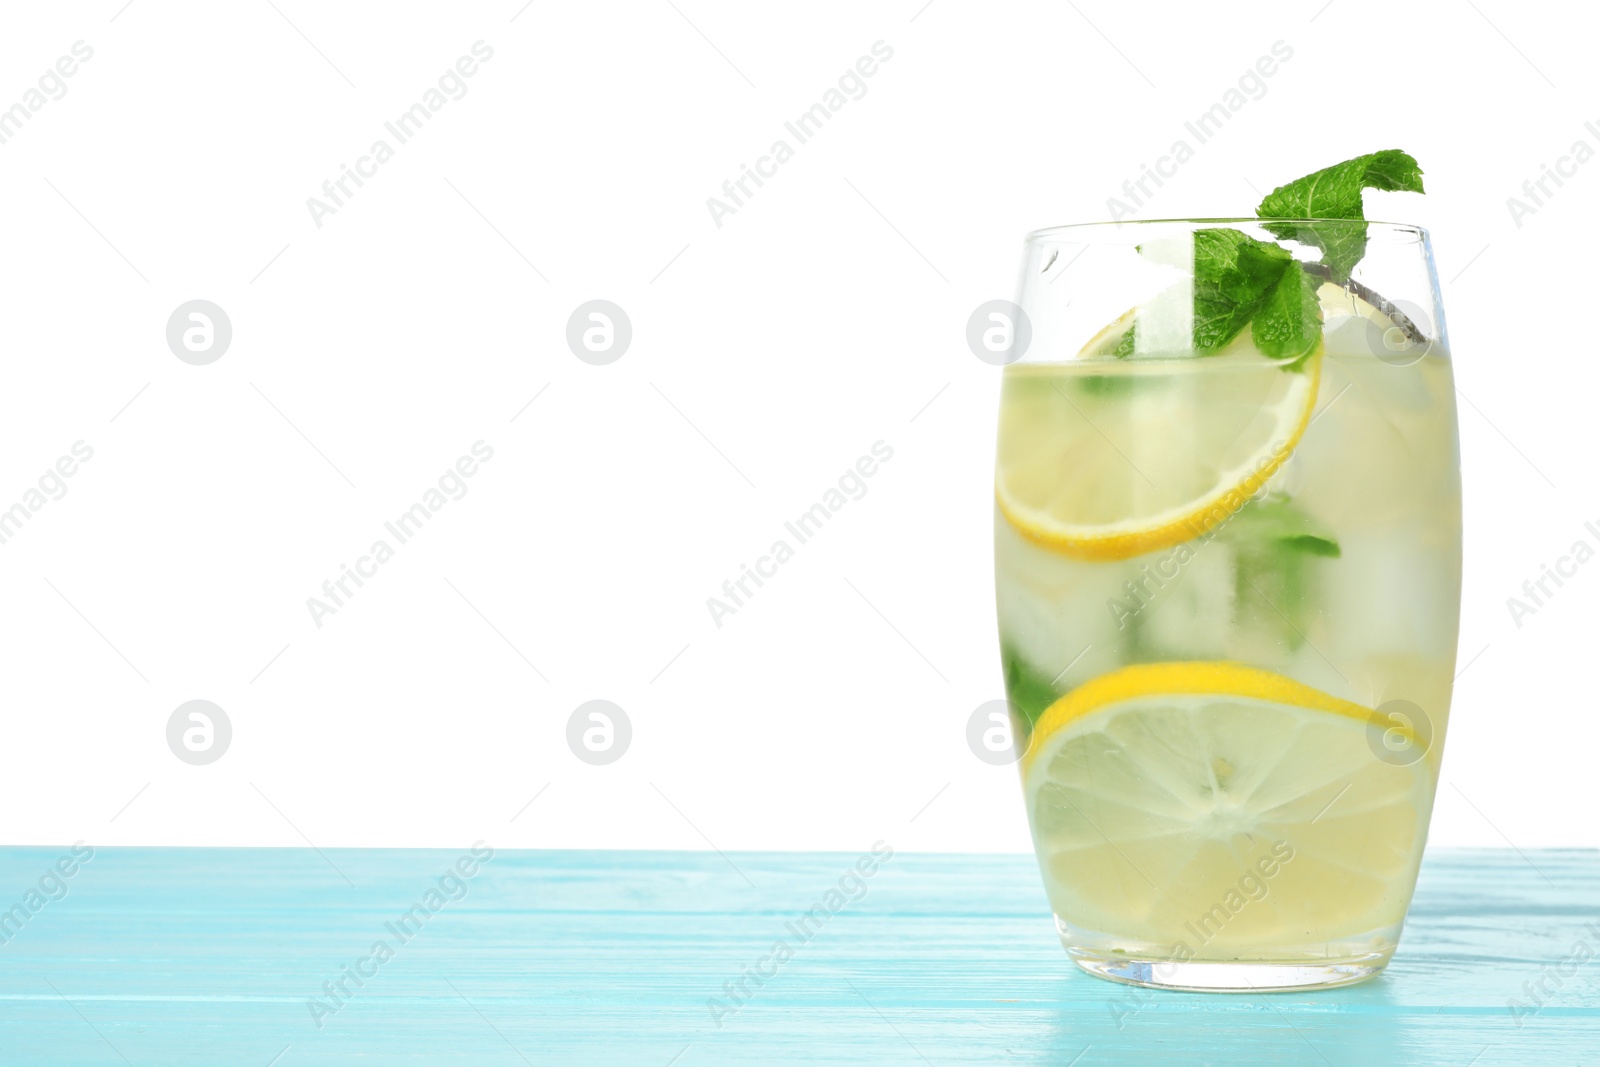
column 258, row 957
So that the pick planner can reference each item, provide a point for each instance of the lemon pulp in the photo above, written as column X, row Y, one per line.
column 1222, row 807
column 1102, row 472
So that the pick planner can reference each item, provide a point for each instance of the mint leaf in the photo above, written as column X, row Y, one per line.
column 1027, row 689
column 1335, row 193
column 1280, row 523
column 1288, row 325
column 1276, row 584
column 1240, row 281
column 1234, row 274
column 1311, row 545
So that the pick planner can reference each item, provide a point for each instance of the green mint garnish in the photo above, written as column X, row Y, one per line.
column 1124, row 347
column 1311, row 545
column 1289, row 322
column 1275, row 583
column 1279, row 523
column 1263, row 568
column 1234, row 274
column 1240, row 281
column 1027, row 689
column 1335, row 193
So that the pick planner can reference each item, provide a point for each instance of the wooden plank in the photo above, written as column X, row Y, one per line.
column 213, row 956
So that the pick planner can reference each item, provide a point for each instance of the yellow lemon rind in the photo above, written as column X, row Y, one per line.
column 1194, row 520
column 1183, row 679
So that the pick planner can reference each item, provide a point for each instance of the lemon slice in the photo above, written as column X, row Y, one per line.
column 1128, row 457
column 1105, row 342
column 1221, row 806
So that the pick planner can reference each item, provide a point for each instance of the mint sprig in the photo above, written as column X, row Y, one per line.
column 1335, row 193
column 1276, row 544
column 1233, row 276
column 1240, row 281
column 1289, row 322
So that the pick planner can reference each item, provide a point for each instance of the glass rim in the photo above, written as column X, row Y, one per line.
column 1109, row 224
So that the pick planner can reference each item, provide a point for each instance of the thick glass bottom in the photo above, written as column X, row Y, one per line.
column 1251, row 976
column 1145, row 965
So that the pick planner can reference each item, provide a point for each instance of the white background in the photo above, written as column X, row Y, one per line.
column 768, row 355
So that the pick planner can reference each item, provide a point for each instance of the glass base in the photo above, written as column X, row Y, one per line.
column 1242, row 976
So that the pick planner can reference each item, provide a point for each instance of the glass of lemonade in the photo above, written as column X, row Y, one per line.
column 1228, row 586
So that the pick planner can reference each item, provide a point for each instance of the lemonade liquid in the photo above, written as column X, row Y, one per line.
column 1342, row 572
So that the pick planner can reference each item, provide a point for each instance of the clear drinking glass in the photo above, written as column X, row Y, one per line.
column 1228, row 586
